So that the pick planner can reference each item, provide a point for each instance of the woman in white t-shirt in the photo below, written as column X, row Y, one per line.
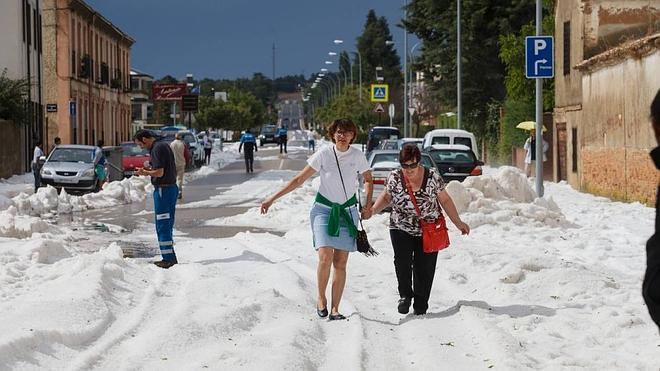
column 334, row 216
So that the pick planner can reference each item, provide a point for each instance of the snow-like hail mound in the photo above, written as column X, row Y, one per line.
column 506, row 196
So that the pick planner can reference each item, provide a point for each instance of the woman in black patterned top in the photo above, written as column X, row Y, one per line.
column 414, row 268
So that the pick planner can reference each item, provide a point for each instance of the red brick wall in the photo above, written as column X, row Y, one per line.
column 624, row 174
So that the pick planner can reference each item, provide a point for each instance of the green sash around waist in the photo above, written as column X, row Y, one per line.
column 338, row 212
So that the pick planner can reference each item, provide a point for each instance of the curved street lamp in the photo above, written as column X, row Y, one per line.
column 337, row 42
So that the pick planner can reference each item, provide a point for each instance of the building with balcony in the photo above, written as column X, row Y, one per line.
column 87, row 69
column 142, row 106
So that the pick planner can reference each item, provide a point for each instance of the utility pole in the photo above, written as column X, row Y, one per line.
column 405, row 71
column 273, row 63
column 539, row 111
column 459, row 107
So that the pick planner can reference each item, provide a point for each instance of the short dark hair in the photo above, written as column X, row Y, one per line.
column 99, row 143
column 57, row 139
column 410, row 152
column 39, row 143
column 655, row 109
column 143, row 133
column 343, row 124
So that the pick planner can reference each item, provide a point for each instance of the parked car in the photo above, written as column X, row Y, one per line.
column 378, row 133
column 451, row 136
column 268, row 134
column 196, row 147
column 455, row 161
column 382, row 162
column 399, row 143
column 71, row 167
column 132, row 157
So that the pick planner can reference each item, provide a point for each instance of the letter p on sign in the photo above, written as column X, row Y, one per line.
column 539, row 44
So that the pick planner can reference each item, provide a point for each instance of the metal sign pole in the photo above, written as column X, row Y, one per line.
column 539, row 112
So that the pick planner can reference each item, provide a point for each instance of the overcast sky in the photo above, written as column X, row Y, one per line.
column 234, row 38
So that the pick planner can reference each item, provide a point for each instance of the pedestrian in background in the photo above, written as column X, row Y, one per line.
column 334, row 216
column 178, row 147
column 282, row 137
column 530, row 154
column 208, row 147
column 162, row 170
column 311, row 141
column 36, row 164
column 250, row 143
column 414, row 268
column 99, row 164
column 651, row 286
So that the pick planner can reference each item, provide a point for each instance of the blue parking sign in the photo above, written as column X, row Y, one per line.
column 539, row 57
column 72, row 108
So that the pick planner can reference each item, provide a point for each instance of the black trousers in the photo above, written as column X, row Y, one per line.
column 283, row 140
column 207, row 155
column 249, row 161
column 414, row 268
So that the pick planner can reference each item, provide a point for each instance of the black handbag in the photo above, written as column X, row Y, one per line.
column 361, row 239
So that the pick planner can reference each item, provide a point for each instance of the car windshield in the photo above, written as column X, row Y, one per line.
column 268, row 130
column 131, row 149
column 394, row 157
column 72, row 155
column 188, row 138
column 389, row 144
column 464, row 141
column 385, row 134
column 452, row 156
column 440, row 140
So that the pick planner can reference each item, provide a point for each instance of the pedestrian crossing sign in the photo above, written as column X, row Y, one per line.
column 379, row 92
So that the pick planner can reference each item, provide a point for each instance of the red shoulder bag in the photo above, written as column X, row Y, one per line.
column 434, row 234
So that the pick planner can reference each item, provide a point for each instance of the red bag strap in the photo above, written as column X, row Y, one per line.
column 412, row 195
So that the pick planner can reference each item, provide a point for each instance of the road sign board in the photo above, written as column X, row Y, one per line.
column 391, row 110
column 72, row 108
column 411, row 110
column 51, row 107
column 189, row 102
column 539, row 57
column 379, row 92
column 379, row 108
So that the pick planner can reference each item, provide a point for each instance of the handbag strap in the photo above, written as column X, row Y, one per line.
column 412, row 195
column 344, row 187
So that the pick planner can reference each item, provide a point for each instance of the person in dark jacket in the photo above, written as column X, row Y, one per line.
column 250, row 143
column 651, row 286
column 282, row 137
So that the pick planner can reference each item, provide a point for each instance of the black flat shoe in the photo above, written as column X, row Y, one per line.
column 165, row 264
column 404, row 305
column 336, row 317
column 322, row 312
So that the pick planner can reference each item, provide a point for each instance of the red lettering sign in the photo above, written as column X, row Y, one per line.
column 168, row 91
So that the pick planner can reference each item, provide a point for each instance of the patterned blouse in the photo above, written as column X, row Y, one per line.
column 403, row 216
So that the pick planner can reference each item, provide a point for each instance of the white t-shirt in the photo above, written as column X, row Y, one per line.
column 352, row 163
column 37, row 153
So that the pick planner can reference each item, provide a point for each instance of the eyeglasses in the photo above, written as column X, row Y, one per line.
column 410, row 166
column 343, row 133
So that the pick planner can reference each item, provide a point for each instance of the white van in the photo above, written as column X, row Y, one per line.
column 451, row 136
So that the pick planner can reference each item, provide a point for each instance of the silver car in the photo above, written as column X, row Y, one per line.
column 382, row 162
column 71, row 167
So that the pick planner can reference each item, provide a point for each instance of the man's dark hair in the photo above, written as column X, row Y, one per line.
column 144, row 133
column 58, row 140
column 248, row 131
column 99, row 143
column 655, row 109
column 39, row 143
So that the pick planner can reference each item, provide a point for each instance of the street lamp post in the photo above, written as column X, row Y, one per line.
column 459, row 107
column 359, row 67
column 410, row 94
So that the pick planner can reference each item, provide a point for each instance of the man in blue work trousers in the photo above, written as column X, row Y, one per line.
column 162, row 170
column 282, row 137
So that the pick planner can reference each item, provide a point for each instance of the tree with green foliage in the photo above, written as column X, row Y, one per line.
column 241, row 111
column 434, row 22
column 375, row 52
column 13, row 94
column 347, row 105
